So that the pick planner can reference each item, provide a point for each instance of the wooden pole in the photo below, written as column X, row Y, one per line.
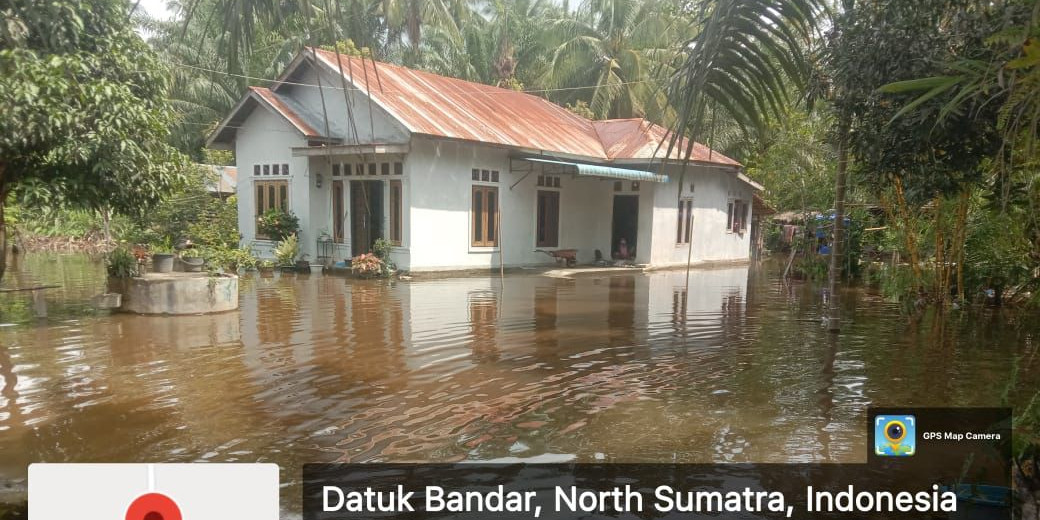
column 834, row 271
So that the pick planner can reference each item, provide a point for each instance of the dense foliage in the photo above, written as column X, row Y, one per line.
column 85, row 110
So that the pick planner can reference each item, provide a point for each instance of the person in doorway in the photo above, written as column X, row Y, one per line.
column 623, row 252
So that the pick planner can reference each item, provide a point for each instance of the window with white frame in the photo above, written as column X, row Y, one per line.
column 736, row 216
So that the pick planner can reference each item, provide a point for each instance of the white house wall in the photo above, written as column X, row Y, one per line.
column 439, row 199
column 267, row 138
column 372, row 123
column 712, row 241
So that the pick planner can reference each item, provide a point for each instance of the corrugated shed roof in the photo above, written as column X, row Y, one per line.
column 440, row 106
column 641, row 139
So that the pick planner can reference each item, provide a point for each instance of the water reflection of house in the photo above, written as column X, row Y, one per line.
column 462, row 175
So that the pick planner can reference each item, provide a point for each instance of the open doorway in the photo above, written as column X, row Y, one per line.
column 625, row 227
column 366, row 215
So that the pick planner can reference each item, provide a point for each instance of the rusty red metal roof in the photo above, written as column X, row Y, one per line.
column 440, row 106
column 640, row 139
column 278, row 105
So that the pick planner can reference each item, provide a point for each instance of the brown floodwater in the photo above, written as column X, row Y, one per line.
column 726, row 365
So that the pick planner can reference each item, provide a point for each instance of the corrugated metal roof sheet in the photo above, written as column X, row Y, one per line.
column 430, row 104
column 598, row 170
column 641, row 139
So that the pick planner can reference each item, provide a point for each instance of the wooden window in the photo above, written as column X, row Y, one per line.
column 337, row 211
column 485, row 216
column 372, row 168
column 736, row 216
column 548, row 233
column 398, row 168
column 485, row 175
column 475, row 174
column 684, row 231
column 270, row 195
column 396, row 213
column 384, row 168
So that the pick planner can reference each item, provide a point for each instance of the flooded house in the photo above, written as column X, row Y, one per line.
column 460, row 175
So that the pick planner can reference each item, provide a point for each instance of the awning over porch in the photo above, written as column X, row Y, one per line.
column 597, row 170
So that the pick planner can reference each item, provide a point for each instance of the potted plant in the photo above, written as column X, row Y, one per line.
column 286, row 252
column 121, row 265
column 277, row 224
column 366, row 265
column 266, row 267
column 302, row 265
column 162, row 255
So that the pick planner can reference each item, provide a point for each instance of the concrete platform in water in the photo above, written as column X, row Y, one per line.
column 177, row 293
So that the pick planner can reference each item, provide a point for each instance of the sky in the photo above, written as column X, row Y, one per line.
column 156, row 8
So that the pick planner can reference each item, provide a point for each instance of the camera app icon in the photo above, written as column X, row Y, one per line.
column 895, row 435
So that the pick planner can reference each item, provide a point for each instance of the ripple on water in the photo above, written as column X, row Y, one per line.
column 624, row 368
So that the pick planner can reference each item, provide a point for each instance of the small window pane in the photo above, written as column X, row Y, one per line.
column 494, row 175
column 485, row 175
column 476, row 174
column 283, row 201
column 285, row 169
column 384, row 168
column 360, row 169
column 274, row 169
column 267, row 169
column 478, row 216
column 270, row 196
column 556, row 182
column 372, row 168
column 259, row 199
column 492, row 211
column 256, row 169
column 335, row 170
column 541, row 180
column 398, row 168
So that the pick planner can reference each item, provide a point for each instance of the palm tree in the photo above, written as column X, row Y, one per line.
column 407, row 19
column 609, row 53
column 745, row 59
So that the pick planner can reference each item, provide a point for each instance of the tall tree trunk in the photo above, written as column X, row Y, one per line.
column 3, row 223
column 838, row 241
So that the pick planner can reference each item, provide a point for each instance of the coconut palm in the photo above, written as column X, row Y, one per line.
column 609, row 53
column 408, row 19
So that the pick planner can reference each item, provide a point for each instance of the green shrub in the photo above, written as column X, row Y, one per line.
column 277, row 224
column 121, row 263
column 287, row 250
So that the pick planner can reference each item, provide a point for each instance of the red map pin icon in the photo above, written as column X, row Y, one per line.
column 153, row 506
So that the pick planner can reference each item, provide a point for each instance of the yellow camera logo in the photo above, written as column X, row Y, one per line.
column 895, row 435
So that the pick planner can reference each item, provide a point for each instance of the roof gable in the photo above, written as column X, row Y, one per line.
column 429, row 104
column 280, row 105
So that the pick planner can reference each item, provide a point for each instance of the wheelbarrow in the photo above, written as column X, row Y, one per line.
column 564, row 256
